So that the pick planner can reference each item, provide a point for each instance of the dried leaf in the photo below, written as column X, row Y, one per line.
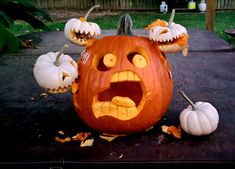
column 175, row 131
column 81, row 136
column 88, row 142
column 61, row 132
column 120, row 156
column 165, row 129
column 60, row 140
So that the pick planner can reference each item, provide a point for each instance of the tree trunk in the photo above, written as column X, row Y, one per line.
column 210, row 14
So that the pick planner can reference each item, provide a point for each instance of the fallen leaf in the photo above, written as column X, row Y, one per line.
column 175, row 131
column 60, row 140
column 61, row 132
column 81, row 136
column 120, row 156
column 165, row 129
column 88, row 142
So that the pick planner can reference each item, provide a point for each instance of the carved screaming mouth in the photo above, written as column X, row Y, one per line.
column 123, row 100
column 79, row 38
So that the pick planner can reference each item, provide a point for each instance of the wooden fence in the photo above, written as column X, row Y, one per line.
column 146, row 5
column 225, row 4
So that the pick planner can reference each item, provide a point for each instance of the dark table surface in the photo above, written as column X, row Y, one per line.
column 29, row 123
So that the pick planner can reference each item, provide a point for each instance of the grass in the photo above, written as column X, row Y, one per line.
column 223, row 20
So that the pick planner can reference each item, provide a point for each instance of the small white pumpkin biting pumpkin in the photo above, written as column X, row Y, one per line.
column 55, row 71
column 198, row 119
column 78, row 31
column 172, row 37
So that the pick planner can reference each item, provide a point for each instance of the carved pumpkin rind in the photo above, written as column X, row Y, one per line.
column 136, row 96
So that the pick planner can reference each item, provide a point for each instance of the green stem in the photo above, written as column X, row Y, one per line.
column 57, row 60
column 91, row 9
column 187, row 99
column 171, row 17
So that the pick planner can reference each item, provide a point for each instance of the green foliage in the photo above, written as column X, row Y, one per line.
column 8, row 42
column 12, row 10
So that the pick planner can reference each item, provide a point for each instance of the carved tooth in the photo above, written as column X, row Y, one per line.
column 132, row 111
column 115, row 78
column 130, row 76
column 97, row 109
column 60, row 90
column 136, row 77
column 105, row 108
column 121, row 113
column 122, row 76
column 112, row 108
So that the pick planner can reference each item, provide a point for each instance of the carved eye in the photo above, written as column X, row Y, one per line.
column 109, row 60
column 139, row 61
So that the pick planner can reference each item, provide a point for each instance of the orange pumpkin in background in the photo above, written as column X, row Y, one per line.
column 125, row 83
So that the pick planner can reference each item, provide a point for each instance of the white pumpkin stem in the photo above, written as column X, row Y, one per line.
column 187, row 99
column 91, row 9
column 57, row 60
column 171, row 17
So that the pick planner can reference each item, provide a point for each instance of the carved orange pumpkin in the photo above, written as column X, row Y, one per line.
column 124, row 86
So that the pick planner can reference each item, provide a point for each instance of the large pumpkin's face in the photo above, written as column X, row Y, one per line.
column 124, row 86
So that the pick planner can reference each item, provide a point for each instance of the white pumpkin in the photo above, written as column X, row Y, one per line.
column 198, row 119
column 78, row 31
column 171, row 37
column 55, row 71
column 166, row 34
column 161, row 31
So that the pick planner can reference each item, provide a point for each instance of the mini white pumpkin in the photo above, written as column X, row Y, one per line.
column 78, row 31
column 166, row 34
column 198, row 119
column 161, row 31
column 55, row 71
column 171, row 37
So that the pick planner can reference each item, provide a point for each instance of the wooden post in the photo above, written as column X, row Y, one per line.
column 210, row 14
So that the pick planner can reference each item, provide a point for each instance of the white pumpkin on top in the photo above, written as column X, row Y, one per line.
column 170, row 36
column 78, row 31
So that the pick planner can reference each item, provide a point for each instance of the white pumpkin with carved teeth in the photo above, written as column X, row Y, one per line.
column 75, row 29
column 170, row 36
column 166, row 34
column 55, row 75
column 78, row 31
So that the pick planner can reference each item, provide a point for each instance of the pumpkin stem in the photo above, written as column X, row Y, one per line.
column 124, row 25
column 188, row 100
column 171, row 17
column 57, row 62
column 91, row 9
